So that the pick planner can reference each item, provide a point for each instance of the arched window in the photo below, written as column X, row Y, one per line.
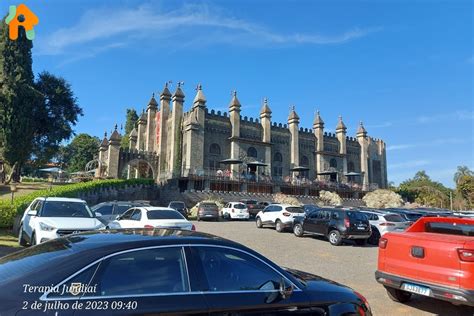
column 304, row 161
column 278, row 157
column 215, row 149
column 350, row 166
column 333, row 163
column 252, row 152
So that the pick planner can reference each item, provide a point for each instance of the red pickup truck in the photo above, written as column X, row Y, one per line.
column 434, row 257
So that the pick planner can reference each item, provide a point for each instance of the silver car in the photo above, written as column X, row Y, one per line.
column 383, row 222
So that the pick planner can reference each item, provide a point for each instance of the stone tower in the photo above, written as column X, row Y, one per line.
column 364, row 155
column 113, row 154
column 102, row 155
column 141, row 135
column 151, row 110
column 341, row 137
column 318, row 127
column 175, row 132
column 266, row 121
column 234, row 114
column 293, row 125
column 194, row 133
column 162, row 121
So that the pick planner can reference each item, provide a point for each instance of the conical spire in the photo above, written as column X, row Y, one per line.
column 200, row 97
column 179, row 94
column 115, row 137
column 133, row 133
column 234, row 104
column 361, row 130
column 165, row 94
column 340, row 126
column 152, row 104
column 105, row 141
column 265, row 108
column 293, row 117
column 318, row 121
column 143, row 117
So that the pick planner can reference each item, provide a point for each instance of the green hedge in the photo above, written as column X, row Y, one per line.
column 8, row 211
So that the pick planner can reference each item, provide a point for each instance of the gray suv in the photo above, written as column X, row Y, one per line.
column 111, row 210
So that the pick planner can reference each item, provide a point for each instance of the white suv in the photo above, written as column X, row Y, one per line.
column 235, row 210
column 51, row 217
column 279, row 215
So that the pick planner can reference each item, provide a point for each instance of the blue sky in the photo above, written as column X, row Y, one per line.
column 405, row 68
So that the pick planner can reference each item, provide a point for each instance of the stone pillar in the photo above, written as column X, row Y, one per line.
column 150, row 127
column 364, row 155
column 318, row 127
column 175, row 133
column 141, row 132
column 165, row 99
column 266, row 121
column 234, row 116
column 341, row 137
column 113, row 154
column 102, row 156
column 293, row 125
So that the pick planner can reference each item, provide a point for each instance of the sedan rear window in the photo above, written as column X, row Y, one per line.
column 164, row 214
column 394, row 218
column 450, row 229
column 240, row 206
column 208, row 205
column 295, row 209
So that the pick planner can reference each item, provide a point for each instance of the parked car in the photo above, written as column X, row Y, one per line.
column 235, row 210
column 335, row 224
column 383, row 222
column 408, row 215
column 180, row 207
column 253, row 206
column 207, row 210
column 157, row 271
column 280, row 216
column 434, row 258
column 48, row 218
column 110, row 210
column 151, row 217
column 309, row 208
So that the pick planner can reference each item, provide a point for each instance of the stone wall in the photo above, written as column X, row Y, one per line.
column 128, row 193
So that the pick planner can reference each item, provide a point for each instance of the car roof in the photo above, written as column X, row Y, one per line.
column 156, row 208
column 61, row 199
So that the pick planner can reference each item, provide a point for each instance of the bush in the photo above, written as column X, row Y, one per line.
column 330, row 198
column 286, row 199
column 8, row 211
column 382, row 199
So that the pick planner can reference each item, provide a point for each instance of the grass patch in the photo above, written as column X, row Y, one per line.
column 7, row 239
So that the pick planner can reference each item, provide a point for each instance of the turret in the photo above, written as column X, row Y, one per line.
column 199, row 105
column 175, row 131
column 234, row 114
column 341, row 137
column 133, row 138
column 151, row 124
column 194, row 134
column 266, row 121
column 104, row 145
column 162, row 123
column 364, row 155
column 318, row 128
column 113, row 154
column 293, row 123
column 141, row 137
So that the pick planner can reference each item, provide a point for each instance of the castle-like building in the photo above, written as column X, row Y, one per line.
column 171, row 143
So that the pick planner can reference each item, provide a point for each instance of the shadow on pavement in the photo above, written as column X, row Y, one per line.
column 438, row 307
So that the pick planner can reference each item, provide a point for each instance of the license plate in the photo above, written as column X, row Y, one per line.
column 416, row 289
column 361, row 228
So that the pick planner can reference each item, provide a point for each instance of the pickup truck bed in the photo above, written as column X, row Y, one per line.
column 434, row 257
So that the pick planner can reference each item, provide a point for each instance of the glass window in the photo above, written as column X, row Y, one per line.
column 215, row 149
column 335, row 215
column 394, row 218
column 240, row 206
column 277, row 208
column 314, row 214
column 151, row 271
column 121, row 208
column 105, row 209
column 252, row 152
column 295, row 209
column 78, row 285
column 136, row 215
column 357, row 216
column 128, row 214
column 164, row 214
column 232, row 270
column 65, row 209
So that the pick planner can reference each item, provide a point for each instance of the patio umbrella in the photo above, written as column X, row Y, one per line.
column 231, row 161
column 352, row 174
column 256, row 163
column 325, row 173
column 299, row 168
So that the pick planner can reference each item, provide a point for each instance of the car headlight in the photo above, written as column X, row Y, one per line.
column 46, row 227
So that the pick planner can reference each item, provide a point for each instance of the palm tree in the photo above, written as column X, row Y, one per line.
column 461, row 172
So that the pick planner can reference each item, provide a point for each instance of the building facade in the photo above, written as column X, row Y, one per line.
column 169, row 143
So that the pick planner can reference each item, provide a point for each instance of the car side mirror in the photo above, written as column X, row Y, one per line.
column 285, row 292
column 97, row 214
column 32, row 213
column 118, row 218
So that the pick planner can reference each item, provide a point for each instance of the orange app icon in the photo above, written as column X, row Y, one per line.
column 21, row 16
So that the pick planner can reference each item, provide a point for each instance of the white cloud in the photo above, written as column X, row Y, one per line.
column 460, row 115
column 409, row 164
column 191, row 23
column 435, row 142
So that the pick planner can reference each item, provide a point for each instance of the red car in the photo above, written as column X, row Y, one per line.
column 434, row 257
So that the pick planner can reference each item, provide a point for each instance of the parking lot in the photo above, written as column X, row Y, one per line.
column 348, row 264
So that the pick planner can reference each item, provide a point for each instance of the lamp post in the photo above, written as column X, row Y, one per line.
column 13, row 189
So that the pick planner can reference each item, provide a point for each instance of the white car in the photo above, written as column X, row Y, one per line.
column 50, row 217
column 235, row 210
column 280, row 216
column 384, row 222
column 151, row 217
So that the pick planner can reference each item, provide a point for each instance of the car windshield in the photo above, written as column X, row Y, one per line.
column 357, row 216
column 295, row 209
column 164, row 214
column 413, row 216
column 240, row 206
column 208, row 205
column 177, row 204
column 394, row 218
column 65, row 209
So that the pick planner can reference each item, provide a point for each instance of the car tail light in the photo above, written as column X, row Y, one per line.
column 383, row 243
column 286, row 214
column 193, row 228
column 149, row 226
column 347, row 223
column 387, row 224
column 233, row 210
column 466, row 255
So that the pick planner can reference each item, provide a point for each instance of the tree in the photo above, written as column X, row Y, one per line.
column 131, row 120
column 54, row 117
column 18, row 99
column 423, row 190
column 461, row 172
column 465, row 189
column 382, row 199
column 79, row 152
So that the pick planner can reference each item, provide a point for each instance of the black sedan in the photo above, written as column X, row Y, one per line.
column 146, row 271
